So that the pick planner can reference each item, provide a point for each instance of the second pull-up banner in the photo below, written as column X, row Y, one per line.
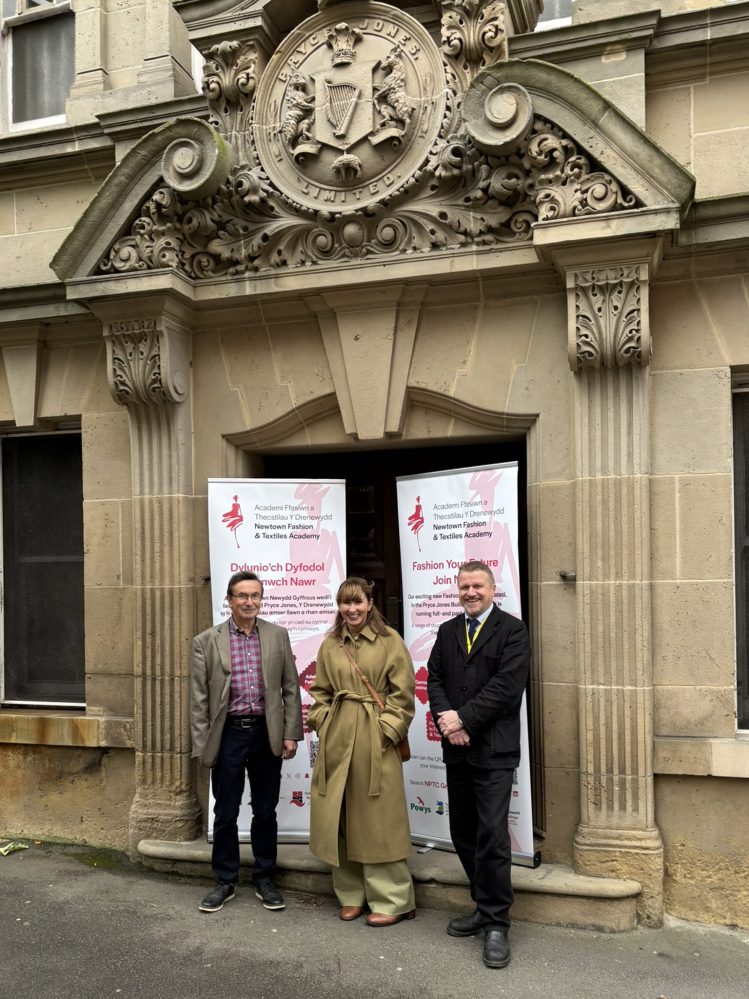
column 446, row 519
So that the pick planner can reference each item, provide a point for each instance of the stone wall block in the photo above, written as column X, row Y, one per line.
column 562, row 801
column 555, row 650
column 57, row 206
column 109, row 634
column 684, row 333
column 664, row 531
column 669, row 121
column 722, row 103
column 107, row 470
column 556, row 529
column 706, row 839
column 102, row 528
column 720, row 164
column 694, row 712
column 560, row 725
column 693, row 634
column 109, row 694
column 705, row 527
column 700, row 401
column 66, row 793
column 726, row 302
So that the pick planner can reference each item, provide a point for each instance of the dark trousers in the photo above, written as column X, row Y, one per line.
column 479, row 808
column 245, row 751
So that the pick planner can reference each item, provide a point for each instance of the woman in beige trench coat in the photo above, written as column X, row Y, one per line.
column 359, row 822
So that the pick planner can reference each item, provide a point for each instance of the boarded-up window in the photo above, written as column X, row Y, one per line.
column 741, row 483
column 43, row 569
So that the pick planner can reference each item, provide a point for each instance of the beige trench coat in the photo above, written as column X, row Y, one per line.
column 358, row 756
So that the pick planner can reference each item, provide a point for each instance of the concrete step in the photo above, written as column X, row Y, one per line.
column 551, row 894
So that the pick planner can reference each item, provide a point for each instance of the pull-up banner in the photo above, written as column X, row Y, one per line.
column 292, row 534
column 446, row 519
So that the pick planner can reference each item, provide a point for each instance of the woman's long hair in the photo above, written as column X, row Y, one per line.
column 351, row 589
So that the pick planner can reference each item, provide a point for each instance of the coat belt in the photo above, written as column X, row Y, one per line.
column 375, row 738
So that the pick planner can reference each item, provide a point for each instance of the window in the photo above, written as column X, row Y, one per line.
column 38, row 55
column 556, row 14
column 741, row 517
column 42, row 570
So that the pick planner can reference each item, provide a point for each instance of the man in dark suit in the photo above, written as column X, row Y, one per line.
column 245, row 717
column 478, row 670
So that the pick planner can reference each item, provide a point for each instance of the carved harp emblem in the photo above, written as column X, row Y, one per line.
column 340, row 104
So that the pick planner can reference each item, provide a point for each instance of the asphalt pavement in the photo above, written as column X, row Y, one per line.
column 79, row 924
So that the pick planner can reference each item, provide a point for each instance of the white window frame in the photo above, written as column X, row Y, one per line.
column 34, row 10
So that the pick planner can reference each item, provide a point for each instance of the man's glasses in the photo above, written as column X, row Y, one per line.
column 246, row 598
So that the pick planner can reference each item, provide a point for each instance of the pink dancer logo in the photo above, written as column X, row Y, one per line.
column 233, row 519
column 416, row 520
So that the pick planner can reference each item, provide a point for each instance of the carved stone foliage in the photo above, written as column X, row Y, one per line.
column 229, row 82
column 611, row 327
column 461, row 196
column 474, row 36
column 140, row 367
column 353, row 147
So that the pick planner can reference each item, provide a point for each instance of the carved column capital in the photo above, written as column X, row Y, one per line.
column 147, row 361
column 609, row 325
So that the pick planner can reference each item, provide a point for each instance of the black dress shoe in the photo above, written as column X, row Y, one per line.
column 466, row 926
column 496, row 947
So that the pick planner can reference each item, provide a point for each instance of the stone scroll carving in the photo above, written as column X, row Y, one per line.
column 145, row 362
column 611, row 327
column 354, row 143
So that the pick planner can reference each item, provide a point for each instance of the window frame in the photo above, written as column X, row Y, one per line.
column 11, row 703
column 740, row 416
column 40, row 10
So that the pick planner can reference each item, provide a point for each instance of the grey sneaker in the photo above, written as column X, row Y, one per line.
column 269, row 895
column 214, row 900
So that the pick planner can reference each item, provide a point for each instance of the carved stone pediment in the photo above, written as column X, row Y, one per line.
column 364, row 137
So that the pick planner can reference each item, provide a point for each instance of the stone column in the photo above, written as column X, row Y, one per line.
column 148, row 366
column 609, row 350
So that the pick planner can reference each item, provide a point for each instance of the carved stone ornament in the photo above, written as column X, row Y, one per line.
column 348, row 106
column 611, row 324
column 474, row 35
column 355, row 150
column 143, row 366
column 229, row 82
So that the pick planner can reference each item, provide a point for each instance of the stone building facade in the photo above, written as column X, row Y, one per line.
column 385, row 230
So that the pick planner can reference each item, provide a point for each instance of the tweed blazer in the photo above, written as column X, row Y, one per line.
column 210, row 682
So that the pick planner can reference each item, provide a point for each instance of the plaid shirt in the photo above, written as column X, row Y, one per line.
column 246, row 696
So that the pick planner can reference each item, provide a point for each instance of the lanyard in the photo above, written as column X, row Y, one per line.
column 469, row 641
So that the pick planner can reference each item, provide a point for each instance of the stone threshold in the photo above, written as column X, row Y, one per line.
column 552, row 894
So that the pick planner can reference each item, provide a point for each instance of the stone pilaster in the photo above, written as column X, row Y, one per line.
column 609, row 349
column 148, row 366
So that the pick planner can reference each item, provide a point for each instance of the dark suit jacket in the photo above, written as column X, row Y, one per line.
column 210, row 680
column 486, row 688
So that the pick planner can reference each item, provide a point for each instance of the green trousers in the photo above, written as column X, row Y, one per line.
column 385, row 888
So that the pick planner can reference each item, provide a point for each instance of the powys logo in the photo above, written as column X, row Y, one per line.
column 420, row 806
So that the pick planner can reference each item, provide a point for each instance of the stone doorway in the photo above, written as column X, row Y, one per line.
column 372, row 540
